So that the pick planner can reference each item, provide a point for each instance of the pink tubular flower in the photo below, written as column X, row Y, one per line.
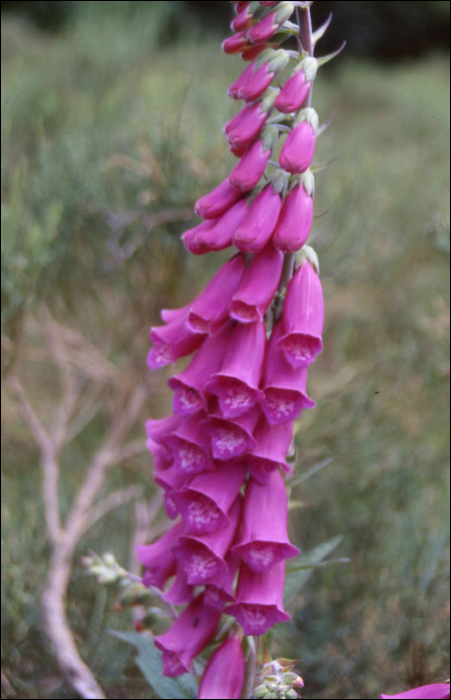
column 259, row 600
column 237, row 384
column 273, row 443
column 235, row 43
column 158, row 430
column 189, row 384
column 170, row 480
column 225, row 671
column 257, row 227
column 211, row 307
column 219, row 590
column 296, row 219
column 190, row 447
column 246, row 128
column 285, row 388
column 295, row 91
column 434, row 692
column 190, row 242
column 303, row 318
column 217, row 201
column 180, row 593
column 254, row 52
column 230, row 439
column 264, row 540
column 171, row 342
column 205, row 502
column 258, row 286
column 162, row 458
column 270, row 24
column 298, row 150
column 158, row 558
column 220, row 234
column 188, row 636
column 248, row 172
column 203, row 557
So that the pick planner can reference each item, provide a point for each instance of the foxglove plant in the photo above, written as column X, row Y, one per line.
column 221, row 457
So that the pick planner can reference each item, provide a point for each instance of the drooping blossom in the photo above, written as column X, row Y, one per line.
column 236, row 385
column 297, row 88
column 264, row 540
column 295, row 222
column 188, row 636
column 258, row 286
column 217, row 201
column 268, row 26
column 158, row 558
column 257, row 226
column 259, row 599
column 303, row 318
column 224, row 674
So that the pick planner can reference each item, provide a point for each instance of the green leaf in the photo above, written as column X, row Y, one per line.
column 150, row 664
column 304, row 566
column 321, row 565
column 308, row 474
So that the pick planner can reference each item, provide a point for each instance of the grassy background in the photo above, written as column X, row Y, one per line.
column 99, row 132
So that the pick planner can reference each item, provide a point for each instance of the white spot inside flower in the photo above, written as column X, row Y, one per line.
column 201, row 567
column 261, row 557
column 162, row 354
column 302, row 348
column 238, row 396
column 254, row 617
column 229, row 441
column 202, row 515
column 191, row 459
column 280, row 404
column 172, row 665
column 189, row 399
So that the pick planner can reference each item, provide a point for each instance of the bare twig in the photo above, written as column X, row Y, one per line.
column 110, row 502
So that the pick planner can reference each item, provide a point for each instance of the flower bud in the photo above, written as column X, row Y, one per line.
column 296, row 219
column 298, row 150
column 242, row 131
column 236, row 43
column 258, row 286
column 248, row 172
column 295, row 91
column 270, row 24
column 224, row 674
column 246, row 18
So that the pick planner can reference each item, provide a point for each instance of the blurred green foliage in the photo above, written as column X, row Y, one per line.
column 100, row 135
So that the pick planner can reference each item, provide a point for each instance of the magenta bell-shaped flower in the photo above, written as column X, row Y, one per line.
column 258, row 286
column 158, row 558
column 234, row 90
column 273, row 443
column 303, row 318
column 296, row 219
column 259, row 598
column 219, row 590
column 258, row 225
column 171, row 342
column 171, row 481
column 232, row 438
column 180, row 592
column 204, row 557
column 189, row 384
column 298, row 150
column 219, row 236
column 190, row 447
column 237, row 384
column 264, row 540
column 189, row 238
column 285, row 387
column 248, row 172
column 295, row 91
column 434, row 692
column 207, row 313
column 162, row 458
column 218, row 201
column 225, row 671
column 158, row 430
column 205, row 502
column 188, row 636
column 244, row 128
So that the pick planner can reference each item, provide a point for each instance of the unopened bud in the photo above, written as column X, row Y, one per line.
column 308, row 115
column 307, row 254
column 109, row 560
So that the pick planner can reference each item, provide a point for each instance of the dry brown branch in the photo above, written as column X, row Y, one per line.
column 85, row 510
